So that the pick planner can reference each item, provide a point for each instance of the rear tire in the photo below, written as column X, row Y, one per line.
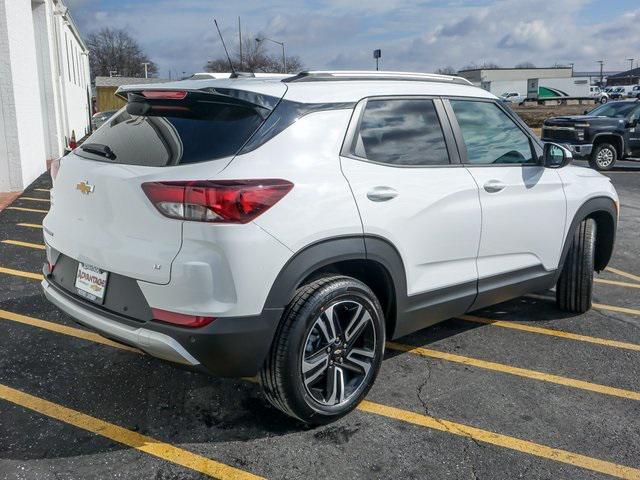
column 327, row 350
column 603, row 157
column 575, row 286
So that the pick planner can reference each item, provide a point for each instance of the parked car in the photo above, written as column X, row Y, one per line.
column 635, row 92
column 617, row 93
column 513, row 97
column 606, row 134
column 99, row 118
column 288, row 228
column 598, row 94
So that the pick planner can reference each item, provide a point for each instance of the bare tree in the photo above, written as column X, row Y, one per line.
column 525, row 65
column 114, row 50
column 255, row 58
column 448, row 70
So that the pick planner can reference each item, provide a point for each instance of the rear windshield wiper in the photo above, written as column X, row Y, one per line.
column 99, row 149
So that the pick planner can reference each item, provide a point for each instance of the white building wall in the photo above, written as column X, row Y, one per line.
column 44, row 91
column 24, row 156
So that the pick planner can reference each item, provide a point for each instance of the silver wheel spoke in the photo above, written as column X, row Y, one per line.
column 360, row 319
column 352, row 358
column 327, row 325
column 319, row 363
column 335, row 386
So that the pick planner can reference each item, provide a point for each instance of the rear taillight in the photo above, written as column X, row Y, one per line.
column 192, row 321
column 222, row 201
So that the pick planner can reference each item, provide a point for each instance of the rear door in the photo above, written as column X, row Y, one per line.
column 403, row 168
column 523, row 203
column 100, row 214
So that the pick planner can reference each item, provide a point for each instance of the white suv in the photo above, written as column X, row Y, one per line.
column 287, row 228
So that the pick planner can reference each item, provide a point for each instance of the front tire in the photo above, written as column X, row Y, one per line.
column 327, row 350
column 603, row 157
column 574, row 289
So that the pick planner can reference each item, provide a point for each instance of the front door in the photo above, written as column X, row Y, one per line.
column 523, row 203
column 411, row 190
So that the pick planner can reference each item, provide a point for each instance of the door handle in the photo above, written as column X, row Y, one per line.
column 381, row 194
column 494, row 186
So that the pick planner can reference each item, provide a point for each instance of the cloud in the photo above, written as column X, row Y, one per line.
column 413, row 35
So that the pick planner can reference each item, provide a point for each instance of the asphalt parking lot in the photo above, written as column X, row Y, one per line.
column 519, row 390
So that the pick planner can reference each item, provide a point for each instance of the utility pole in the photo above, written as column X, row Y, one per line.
column 377, row 54
column 630, row 60
column 146, row 71
column 240, row 41
column 601, row 62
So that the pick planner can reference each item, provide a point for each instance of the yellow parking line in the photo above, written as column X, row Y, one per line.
column 617, row 283
column 37, row 246
column 597, row 306
column 505, row 441
column 27, row 209
column 554, row 333
column 447, row 426
column 64, row 330
column 520, row 372
column 35, row 199
column 20, row 273
column 30, row 225
column 42, row 189
column 622, row 273
column 149, row 445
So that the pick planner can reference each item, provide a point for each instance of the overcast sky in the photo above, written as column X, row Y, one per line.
column 413, row 35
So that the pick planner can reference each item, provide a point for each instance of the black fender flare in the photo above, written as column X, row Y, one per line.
column 602, row 209
column 333, row 250
column 612, row 134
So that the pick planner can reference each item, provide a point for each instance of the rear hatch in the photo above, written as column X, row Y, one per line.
column 101, row 216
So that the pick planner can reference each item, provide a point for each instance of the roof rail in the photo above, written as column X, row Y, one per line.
column 343, row 75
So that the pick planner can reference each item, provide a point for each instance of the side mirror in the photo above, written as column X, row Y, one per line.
column 632, row 123
column 556, row 156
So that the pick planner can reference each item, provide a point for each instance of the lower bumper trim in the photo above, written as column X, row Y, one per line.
column 154, row 343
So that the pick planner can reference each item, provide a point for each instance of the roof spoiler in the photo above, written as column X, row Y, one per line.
column 230, row 96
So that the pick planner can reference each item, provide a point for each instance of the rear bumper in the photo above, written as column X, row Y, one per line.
column 231, row 346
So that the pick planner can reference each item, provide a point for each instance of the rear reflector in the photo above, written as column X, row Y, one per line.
column 164, row 94
column 192, row 321
column 222, row 201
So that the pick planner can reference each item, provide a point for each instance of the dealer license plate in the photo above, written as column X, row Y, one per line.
column 91, row 282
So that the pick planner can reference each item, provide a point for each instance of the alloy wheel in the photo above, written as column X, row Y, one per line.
column 604, row 158
column 339, row 353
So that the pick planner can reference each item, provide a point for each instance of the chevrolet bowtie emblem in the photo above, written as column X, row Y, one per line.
column 85, row 187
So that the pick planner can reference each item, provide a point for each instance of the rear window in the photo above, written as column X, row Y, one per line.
column 160, row 133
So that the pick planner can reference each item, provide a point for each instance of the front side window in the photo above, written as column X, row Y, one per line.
column 490, row 136
column 401, row 132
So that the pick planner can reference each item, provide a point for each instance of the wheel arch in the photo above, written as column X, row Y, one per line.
column 615, row 139
column 372, row 260
column 603, row 210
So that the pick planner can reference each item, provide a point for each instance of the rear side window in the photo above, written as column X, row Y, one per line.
column 490, row 136
column 165, row 133
column 401, row 132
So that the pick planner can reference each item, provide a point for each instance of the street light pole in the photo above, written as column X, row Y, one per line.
column 146, row 73
column 630, row 60
column 601, row 62
column 284, row 57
